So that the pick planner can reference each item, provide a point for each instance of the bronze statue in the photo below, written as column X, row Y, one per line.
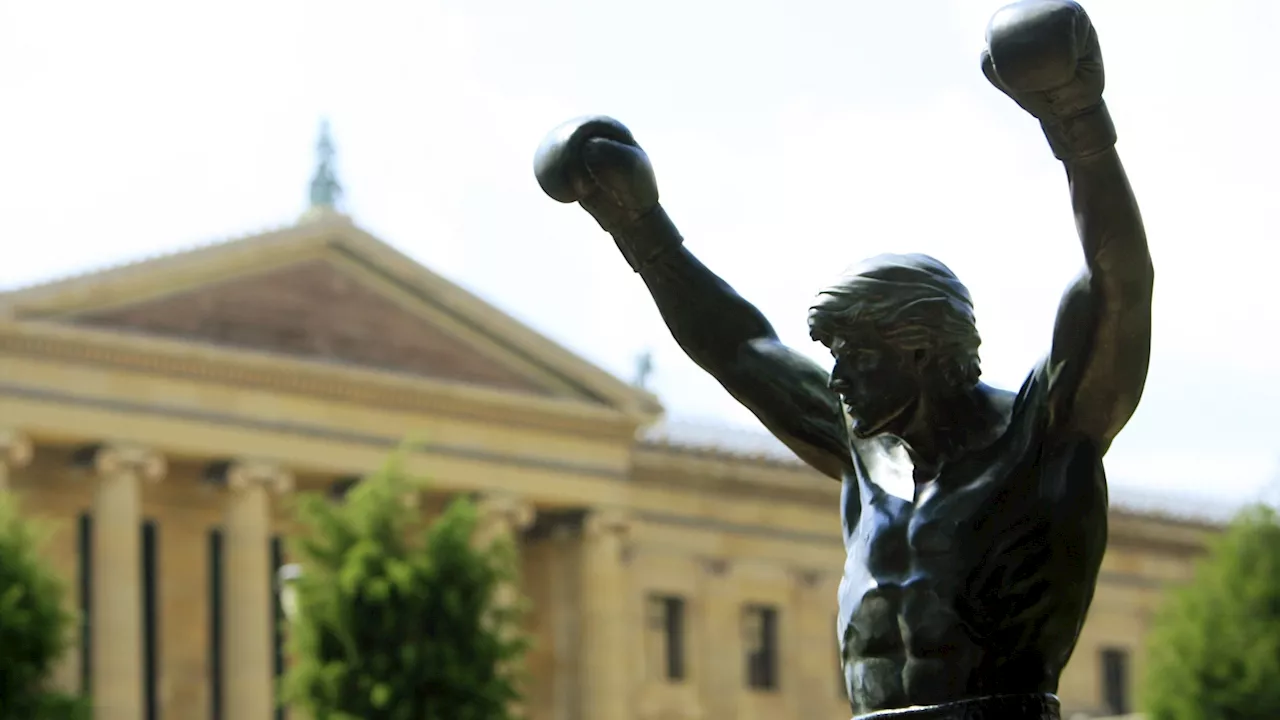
column 963, row 595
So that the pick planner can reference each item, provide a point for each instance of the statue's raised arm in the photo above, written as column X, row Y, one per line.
column 598, row 164
column 1045, row 55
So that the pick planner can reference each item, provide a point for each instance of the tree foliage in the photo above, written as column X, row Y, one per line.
column 397, row 619
column 34, row 625
column 1215, row 649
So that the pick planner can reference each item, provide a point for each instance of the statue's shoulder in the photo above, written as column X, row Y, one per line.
column 1044, row 399
column 1027, row 416
column 1031, row 401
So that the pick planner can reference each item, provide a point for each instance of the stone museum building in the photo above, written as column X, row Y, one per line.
column 161, row 412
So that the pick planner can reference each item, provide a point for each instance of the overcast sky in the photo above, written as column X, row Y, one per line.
column 791, row 138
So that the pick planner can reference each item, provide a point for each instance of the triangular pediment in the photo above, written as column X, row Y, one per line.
column 325, row 291
column 313, row 310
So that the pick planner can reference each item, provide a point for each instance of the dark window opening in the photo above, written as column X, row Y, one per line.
column 215, row 625
column 150, row 625
column 1115, row 681
column 85, row 543
column 667, row 621
column 277, row 620
column 761, row 636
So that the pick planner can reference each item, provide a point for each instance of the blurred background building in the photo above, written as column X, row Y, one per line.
column 676, row 570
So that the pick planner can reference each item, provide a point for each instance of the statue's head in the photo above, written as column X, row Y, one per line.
column 900, row 328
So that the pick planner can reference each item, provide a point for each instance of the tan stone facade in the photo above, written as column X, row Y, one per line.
column 160, row 414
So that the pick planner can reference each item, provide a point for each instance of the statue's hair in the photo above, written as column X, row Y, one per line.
column 914, row 302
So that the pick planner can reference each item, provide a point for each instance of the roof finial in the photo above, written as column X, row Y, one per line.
column 326, row 191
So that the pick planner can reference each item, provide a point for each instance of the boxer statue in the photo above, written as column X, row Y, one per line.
column 964, row 593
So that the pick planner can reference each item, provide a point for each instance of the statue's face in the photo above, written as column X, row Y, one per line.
column 878, row 382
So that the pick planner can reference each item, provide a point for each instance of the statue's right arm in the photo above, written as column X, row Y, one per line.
column 597, row 163
column 730, row 339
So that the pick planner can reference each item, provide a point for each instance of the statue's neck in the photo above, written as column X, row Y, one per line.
column 947, row 426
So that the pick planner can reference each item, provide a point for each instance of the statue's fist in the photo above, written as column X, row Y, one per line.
column 596, row 161
column 1044, row 54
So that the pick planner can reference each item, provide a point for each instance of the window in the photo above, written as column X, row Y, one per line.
column 760, row 636
column 85, row 542
column 150, row 626
column 1115, row 681
column 215, row 625
column 277, row 617
column 665, row 637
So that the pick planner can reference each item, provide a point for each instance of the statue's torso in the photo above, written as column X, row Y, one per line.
column 980, row 585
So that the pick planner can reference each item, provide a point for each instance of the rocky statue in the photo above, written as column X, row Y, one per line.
column 963, row 595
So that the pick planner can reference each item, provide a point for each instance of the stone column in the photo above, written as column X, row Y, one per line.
column 605, row 652
column 248, row 647
column 564, row 607
column 811, row 688
column 502, row 517
column 116, row 622
column 720, row 629
column 15, row 453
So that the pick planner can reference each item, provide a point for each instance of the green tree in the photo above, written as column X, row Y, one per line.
column 396, row 619
column 1215, row 649
column 34, row 626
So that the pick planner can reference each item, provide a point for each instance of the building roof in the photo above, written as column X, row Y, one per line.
column 317, row 291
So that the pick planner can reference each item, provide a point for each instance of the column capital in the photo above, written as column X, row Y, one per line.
column 510, row 508
column 600, row 522
column 243, row 474
column 16, row 449
column 110, row 459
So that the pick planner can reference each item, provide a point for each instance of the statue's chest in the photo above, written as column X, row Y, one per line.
column 912, row 546
column 906, row 530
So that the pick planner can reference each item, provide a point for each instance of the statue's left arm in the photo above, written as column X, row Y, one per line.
column 1045, row 55
column 1102, row 339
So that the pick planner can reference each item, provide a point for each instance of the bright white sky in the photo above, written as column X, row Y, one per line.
column 791, row 138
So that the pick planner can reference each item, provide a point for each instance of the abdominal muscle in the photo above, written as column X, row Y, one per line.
column 903, row 647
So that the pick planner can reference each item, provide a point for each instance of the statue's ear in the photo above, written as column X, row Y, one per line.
column 921, row 358
column 952, row 371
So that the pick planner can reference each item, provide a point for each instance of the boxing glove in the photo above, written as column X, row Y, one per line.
column 1045, row 55
column 596, row 162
